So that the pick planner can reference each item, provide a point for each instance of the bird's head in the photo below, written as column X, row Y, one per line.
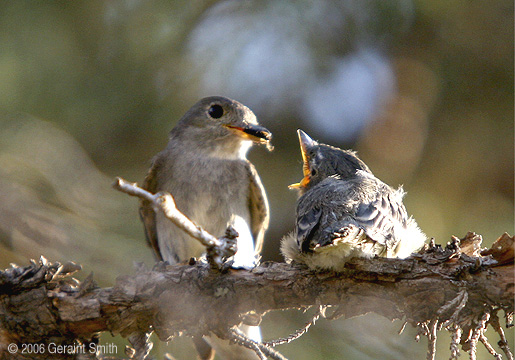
column 222, row 126
column 321, row 161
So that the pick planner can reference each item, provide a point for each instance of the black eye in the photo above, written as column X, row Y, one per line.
column 216, row 111
column 313, row 172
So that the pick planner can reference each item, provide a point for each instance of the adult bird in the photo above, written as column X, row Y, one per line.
column 345, row 211
column 204, row 167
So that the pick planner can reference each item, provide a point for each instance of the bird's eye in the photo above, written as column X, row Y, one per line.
column 313, row 172
column 216, row 111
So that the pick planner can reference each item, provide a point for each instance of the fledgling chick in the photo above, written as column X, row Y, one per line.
column 205, row 168
column 344, row 211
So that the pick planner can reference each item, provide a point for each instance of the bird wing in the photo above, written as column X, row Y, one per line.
column 307, row 223
column 258, row 206
column 318, row 207
column 366, row 202
column 146, row 210
column 380, row 216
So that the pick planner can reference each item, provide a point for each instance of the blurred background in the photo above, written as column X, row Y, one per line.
column 423, row 90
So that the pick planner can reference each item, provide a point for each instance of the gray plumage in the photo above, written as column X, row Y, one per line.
column 345, row 211
column 204, row 167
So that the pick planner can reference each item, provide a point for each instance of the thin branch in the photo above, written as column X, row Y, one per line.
column 165, row 202
column 403, row 326
column 217, row 249
column 272, row 353
column 261, row 349
column 455, row 342
column 489, row 347
column 476, row 334
column 503, row 342
column 297, row 334
column 240, row 338
column 432, row 328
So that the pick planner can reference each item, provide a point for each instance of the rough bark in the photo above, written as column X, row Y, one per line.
column 455, row 288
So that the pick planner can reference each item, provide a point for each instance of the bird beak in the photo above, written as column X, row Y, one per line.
column 306, row 143
column 255, row 133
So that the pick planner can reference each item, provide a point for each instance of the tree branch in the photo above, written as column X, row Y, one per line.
column 461, row 288
column 439, row 286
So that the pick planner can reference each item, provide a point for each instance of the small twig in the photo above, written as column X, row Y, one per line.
column 432, row 328
column 165, row 202
column 261, row 349
column 503, row 343
column 241, row 339
column 217, row 249
column 297, row 334
column 273, row 354
column 489, row 347
column 476, row 335
column 455, row 342
column 401, row 330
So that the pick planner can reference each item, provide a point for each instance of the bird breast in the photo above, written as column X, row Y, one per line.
column 210, row 191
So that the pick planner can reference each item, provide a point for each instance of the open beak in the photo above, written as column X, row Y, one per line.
column 306, row 143
column 257, row 134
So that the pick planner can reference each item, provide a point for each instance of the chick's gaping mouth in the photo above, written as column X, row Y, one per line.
column 305, row 169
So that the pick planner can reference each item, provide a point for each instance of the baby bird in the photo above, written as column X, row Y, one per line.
column 344, row 211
